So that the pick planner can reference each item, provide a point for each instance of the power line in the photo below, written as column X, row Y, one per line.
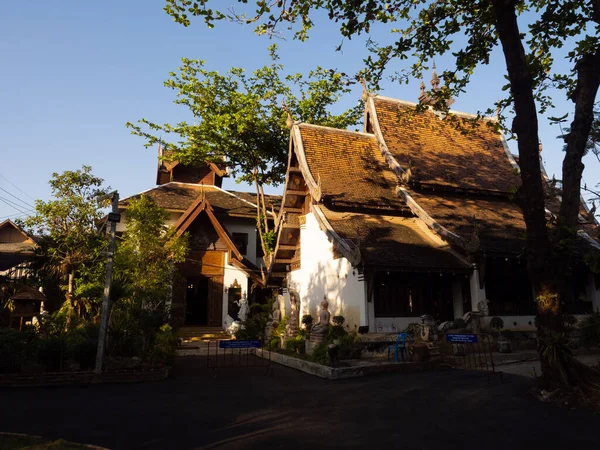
column 12, row 204
column 12, row 195
column 16, row 187
column 13, row 216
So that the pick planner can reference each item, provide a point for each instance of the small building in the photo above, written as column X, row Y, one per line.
column 16, row 250
column 225, row 260
column 410, row 216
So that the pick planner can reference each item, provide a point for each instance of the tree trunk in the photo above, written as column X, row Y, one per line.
column 525, row 126
column 259, row 225
column 588, row 80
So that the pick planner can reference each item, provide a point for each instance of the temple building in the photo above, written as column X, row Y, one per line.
column 411, row 216
column 225, row 258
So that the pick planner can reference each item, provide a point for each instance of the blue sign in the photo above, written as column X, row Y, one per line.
column 255, row 343
column 462, row 338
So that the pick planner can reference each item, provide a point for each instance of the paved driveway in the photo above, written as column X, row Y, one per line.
column 246, row 409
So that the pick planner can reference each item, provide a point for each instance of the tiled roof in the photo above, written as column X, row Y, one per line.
column 180, row 196
column 440, row 154
column 393, row 241
column 498, row 223
column 270, row 199
column 349, row 166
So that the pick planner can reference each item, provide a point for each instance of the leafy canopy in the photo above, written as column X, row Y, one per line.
column 239, row 116
column 147, row 252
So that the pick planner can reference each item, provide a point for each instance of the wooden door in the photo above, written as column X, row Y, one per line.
column 215, row 302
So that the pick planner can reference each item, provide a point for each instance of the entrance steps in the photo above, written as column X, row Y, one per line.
column 194, row 334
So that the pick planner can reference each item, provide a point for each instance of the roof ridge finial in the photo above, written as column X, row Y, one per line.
column 289, row 121
column 435, row 80
column 365, row 92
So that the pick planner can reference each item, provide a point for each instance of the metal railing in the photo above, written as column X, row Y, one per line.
column 469, row 352
column 238, row 354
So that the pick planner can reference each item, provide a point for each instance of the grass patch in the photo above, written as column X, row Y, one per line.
column 12, row 442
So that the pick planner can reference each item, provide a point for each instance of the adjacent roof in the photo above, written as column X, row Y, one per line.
column 180, row 196
column 439, row 154
column 29, row 293
column 16, row 246
column 394, row 241
column 496, row 222
column 273, row 201
column 349, row 167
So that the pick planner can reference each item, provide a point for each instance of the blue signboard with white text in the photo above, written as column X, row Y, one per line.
column 461, row 338
column 254, row 343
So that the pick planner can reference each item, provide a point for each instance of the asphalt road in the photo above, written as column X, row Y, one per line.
column 289, row 410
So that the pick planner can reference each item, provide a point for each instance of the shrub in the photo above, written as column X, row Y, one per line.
column 165, row 344
column 569, row 321
column 307, row 321
column 590, row 330
column 338, row 320
column 320, row 354
column 16, row 347
column 496, row 323
column 52, row 352
column 349, row 346
column 335, row 332
column 295, row 344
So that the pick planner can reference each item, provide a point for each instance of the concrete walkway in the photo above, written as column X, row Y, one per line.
column 529, row 368
column 291, row 410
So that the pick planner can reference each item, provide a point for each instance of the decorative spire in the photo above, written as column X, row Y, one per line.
column 365, row 92
column 435, row 80
column 289, row 121
column 592, row 213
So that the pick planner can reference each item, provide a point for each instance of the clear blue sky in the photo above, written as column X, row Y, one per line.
column 74, row 72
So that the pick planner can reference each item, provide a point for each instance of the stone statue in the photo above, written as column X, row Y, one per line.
column 292, row 327
column 319, row 331
column 244, row 308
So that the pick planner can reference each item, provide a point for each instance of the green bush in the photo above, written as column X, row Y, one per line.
column 295, row 344
column 165, row 345
column 16, row 347
column 52, row 352
column 307, row 321
column 349, row 347
column 496, row 323
column 338, row 320
column 590, row 330
column 320, row 354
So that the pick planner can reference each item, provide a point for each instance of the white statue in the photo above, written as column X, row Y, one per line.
column 244, row 308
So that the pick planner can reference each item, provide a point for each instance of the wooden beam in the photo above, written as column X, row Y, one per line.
column 279, row 274
column 287, row 248
column 282, row 261
column 292, row 210
column 294, row 192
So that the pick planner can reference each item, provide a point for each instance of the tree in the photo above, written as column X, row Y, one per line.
column 147, row 253
column 71, row 241
column 470, row 31
column 239, row 117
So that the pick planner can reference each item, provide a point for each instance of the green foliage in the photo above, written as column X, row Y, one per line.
column 165, row 344
column 269, row 240
column 496, row 323
column 296, row 344
column 556, row 350
column 147, row 253
column 16, row 347
column 71, row 241
column 307, row 321
column 338, row 320
column 590, row 330
column 256, row 322
column 349, row 347
column 320, row 354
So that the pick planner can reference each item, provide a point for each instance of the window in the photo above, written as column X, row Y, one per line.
column 240, row 240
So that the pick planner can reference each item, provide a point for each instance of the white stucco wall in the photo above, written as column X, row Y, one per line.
column 247, row 226
column 321, row 275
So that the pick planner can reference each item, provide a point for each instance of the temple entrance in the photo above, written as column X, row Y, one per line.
column 196, row 301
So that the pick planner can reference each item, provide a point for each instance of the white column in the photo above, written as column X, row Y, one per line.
column 477, row 294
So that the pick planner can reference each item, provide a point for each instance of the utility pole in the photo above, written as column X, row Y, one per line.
column 113, row 218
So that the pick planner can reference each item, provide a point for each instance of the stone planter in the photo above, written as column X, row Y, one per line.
column 419, row 352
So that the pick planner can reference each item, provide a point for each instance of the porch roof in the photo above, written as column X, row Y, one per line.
column 394, row 241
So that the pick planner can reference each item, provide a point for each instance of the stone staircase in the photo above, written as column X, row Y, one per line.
column 194, row 334
column 195, row 341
